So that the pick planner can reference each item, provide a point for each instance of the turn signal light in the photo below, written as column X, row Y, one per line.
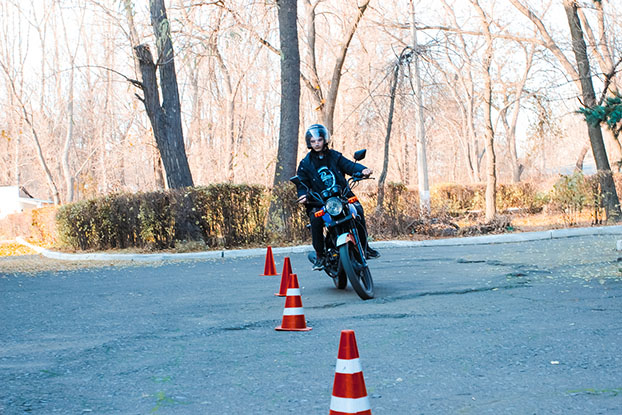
column 353, row 199
column 319, row 213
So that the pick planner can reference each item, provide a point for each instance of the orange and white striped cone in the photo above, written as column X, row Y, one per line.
column 287, row 271
column 349, row 393
column 293, row 313
column 270, row 268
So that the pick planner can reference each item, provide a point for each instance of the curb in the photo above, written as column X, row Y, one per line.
column 239, row 253
column 235, row 253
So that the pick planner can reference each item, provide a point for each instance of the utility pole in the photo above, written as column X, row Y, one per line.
column 422, row 163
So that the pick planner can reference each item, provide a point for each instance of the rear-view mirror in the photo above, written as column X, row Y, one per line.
column 360, row 155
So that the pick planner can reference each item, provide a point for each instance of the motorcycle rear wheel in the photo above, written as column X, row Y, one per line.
column 358, row 274
column 335, row 272
column 338, row 276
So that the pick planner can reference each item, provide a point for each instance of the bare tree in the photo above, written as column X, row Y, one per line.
column 290, row 92
column 548, row 42
column 512, row 96
column 581, row 74
column 601, row 49
column 608, row 189
column 489, row 133
column 166, row 117
column 69, row 136
column 422, row 162
column 462, row 85
column 34, row 135
column 405, row 55
column 229, row 101
column 327, row 99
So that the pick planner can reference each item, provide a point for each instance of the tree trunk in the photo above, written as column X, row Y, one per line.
column 608, row 190
column 581, row 158
column 69, row 179
column 175, row 161
column 229, row 114
column 491, row 175
column 290, row 92
column 385, row 163
column 166, row 118
column 18, row 139
column 510, row 127
column 422, row 161
column 133, row 34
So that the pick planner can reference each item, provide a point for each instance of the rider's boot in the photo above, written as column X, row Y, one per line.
column 371, row 253
column 319, row 263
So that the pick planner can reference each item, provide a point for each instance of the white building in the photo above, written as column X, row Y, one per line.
column 14, row 201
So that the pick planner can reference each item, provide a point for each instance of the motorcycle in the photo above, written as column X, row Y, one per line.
column 344, row 255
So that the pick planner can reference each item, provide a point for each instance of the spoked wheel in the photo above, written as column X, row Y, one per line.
column 358, row 274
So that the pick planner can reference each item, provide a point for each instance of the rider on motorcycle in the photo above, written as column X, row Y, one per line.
column 323, row 168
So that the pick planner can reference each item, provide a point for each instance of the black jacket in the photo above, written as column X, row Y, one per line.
column 335, row 161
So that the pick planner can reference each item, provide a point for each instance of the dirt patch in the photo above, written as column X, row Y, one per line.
column 35, row 264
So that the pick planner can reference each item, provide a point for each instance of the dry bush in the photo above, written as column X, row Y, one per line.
column 401, row 209
column 288, row 218
column 574, row 193
column 219, row 215
column 36, row 224
column 500, row 224
column 455, row 199
column 523, row 195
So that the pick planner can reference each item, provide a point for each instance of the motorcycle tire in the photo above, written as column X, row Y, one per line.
column 340, row 279
column 337, row 275
column 358, row 274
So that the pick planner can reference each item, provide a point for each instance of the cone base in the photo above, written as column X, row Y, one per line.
column 280, row 328
column 268, row 275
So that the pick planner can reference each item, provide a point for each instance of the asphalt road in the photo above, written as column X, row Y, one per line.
column 517, row 328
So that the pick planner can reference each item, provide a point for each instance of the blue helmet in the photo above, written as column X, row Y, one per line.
column 317, row 131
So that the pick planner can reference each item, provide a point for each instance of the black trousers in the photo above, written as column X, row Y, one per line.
column 317, row 229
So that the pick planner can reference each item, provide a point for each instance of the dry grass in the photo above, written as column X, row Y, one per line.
column 14, row 249
column 546, row 221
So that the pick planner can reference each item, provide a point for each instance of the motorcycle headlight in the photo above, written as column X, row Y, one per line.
column 334, row 206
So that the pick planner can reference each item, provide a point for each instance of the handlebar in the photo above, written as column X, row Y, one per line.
column 357, row 177
column 316, row 200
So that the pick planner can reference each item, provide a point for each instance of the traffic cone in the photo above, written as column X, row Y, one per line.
column 287, row 270
column 349, row 393
column 270, row 268
column 293, row 313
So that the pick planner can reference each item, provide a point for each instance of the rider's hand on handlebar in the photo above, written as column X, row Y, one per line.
column 367, row 172
column 302, row 199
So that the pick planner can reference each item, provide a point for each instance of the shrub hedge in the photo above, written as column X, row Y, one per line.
column 219, row 215
column 226, row 215
column 288, row 219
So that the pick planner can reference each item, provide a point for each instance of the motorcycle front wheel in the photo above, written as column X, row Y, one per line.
column 358, row 274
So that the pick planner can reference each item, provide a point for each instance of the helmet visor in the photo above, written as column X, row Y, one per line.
column 317, row 133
